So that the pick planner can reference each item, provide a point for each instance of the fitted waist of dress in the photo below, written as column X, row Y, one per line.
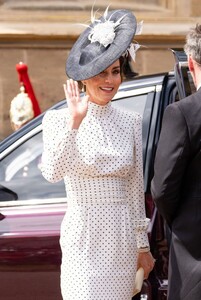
column 91, row 190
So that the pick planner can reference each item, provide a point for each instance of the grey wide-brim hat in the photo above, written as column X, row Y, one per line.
column 101, row 44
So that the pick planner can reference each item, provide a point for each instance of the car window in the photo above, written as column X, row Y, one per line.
column 20, row 172
column 135, row 103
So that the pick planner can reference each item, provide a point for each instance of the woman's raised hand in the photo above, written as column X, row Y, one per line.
column 77, row 106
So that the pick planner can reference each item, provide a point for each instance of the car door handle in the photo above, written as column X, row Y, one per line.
column 2, row 217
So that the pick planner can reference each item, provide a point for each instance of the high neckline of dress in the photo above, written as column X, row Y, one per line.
column 98, row 109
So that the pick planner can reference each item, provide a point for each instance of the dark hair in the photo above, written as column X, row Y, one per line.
column 193, row 43
column 127, row 70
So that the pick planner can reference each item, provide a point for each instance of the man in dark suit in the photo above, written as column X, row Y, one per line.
column 176, row 185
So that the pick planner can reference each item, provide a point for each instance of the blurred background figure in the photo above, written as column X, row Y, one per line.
column 24, row 107
column 21, row 109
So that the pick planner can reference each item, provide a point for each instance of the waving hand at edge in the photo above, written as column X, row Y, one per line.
column 77, row 106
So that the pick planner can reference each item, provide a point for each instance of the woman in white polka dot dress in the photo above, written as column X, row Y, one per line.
column 97, row 150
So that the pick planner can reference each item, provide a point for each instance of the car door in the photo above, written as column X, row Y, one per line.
column 31, row 211
column 183, row 76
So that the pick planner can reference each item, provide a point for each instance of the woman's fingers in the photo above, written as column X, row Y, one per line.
column 65, row 90
column 77, row 106
column 72, row 87
column 76, row 90
column 71, row 90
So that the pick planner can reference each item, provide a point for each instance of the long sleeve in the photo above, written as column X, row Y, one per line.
column 135, row 189
column 170, row 162
column 59, row 152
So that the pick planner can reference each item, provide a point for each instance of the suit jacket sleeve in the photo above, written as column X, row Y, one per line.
column 170, row 162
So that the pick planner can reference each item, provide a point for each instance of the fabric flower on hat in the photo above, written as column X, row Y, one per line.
column 104, row 32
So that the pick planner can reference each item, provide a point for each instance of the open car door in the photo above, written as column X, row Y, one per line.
column 183, row 76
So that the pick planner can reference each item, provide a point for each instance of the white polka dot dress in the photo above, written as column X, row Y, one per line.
column 105, row 222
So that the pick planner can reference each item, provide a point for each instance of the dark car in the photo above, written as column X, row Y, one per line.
column 31, row 209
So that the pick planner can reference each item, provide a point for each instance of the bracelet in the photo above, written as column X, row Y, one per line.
column 143, row 250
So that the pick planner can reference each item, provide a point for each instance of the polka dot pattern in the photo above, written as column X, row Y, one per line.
column 101, row 164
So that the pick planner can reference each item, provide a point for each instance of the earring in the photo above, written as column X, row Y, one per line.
column 83, row 86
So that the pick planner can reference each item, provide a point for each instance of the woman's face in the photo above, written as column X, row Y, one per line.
column 102, row 87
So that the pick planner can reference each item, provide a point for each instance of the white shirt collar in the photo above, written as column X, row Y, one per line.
column 199, row 86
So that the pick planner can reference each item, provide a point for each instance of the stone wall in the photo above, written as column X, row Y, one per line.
column 40, row 34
